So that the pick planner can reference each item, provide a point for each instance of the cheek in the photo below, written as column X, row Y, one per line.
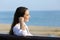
column 26, row 18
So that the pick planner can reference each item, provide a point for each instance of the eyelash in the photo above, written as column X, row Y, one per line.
column 28, row 15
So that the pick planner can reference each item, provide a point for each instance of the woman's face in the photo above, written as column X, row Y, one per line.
column 26, row 16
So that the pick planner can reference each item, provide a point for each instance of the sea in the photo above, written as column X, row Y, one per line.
column 38, row 18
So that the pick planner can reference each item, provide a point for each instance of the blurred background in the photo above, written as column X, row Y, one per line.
column 45, row 16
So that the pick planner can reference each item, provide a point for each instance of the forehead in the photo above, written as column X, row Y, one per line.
column 27, row 12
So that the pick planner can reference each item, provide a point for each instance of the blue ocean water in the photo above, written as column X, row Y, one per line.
column 38, row 18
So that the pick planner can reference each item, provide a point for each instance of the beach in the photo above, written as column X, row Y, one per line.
column 35, row 30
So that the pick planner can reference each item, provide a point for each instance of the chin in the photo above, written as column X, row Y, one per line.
column 27, row 21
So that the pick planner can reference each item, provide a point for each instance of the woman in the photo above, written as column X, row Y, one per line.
column 19, row 27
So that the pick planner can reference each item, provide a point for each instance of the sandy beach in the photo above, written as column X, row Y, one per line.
column 35, row 30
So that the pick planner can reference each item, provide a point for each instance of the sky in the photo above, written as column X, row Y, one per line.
column 11, row 5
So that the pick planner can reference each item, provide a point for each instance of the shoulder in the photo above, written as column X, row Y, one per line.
column 17, row 26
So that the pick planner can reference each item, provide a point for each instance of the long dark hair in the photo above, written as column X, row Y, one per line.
column 20, row 11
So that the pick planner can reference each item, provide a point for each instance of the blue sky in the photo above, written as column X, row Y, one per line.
column 11, row 5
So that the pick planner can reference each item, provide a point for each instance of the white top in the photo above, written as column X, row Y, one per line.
column 19, row 32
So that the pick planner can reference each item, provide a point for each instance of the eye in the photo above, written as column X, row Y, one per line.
column 27, row 14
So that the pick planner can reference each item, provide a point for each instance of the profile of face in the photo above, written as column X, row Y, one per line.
column 26, row 16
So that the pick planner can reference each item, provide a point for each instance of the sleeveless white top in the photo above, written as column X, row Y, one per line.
column 19, row 32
